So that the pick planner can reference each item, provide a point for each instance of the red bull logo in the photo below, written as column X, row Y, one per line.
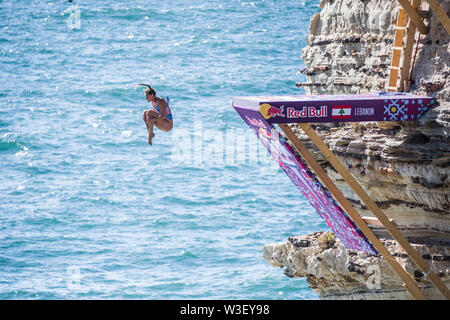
column 268, row 111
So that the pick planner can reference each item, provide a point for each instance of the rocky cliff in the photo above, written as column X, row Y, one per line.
column 404, row 166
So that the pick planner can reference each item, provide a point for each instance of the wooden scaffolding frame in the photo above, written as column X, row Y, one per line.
column 408, row 21
column 383, row 220
column 263, row 113
column 402, row 50
column 440, row 13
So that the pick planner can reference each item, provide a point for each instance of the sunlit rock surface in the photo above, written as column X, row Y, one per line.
column 335, row 272
column 404, row 166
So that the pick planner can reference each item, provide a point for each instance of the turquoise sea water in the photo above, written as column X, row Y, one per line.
column 87, row 209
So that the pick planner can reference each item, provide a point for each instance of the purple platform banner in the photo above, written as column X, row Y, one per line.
column 317, row 195
column 383, row 106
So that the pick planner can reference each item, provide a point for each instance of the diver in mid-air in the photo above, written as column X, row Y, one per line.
column 160, row 116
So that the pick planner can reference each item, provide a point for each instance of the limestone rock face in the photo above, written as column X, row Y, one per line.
column 338, row 273
column 403, row 166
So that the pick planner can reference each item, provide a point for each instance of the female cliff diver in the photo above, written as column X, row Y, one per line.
column 160, row 116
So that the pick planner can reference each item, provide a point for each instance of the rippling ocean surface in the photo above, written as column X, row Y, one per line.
column 88, row 210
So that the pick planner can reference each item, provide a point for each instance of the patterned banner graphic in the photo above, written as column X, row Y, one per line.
column 317, row 195
column 385, row 106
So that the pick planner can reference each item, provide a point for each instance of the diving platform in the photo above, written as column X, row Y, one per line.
column 383, row 106
column 269, row 118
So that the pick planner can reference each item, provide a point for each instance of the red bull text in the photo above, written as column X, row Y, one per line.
column 308, row 112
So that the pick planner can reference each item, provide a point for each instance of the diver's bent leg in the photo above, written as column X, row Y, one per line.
column 150, row 125
column 164, row 125
column 150, row 114
column 145, row 117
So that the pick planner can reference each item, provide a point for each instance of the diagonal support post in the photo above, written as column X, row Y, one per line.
column 407, row 52
column 440, row 13
column 414, row 16
column 409, row 283
column 371, row 205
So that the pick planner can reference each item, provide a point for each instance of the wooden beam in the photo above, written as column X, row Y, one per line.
column 410, row 285
column 398, row 40
column 372, row 221
column 377, row 212
column 414, row 16
column 401, row 19
column 440, row 13
column 396, row 55
column 397, row 49
column 393, row 79
column 407, row 52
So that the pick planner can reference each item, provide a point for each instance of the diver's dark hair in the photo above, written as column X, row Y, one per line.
column 150, row 90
